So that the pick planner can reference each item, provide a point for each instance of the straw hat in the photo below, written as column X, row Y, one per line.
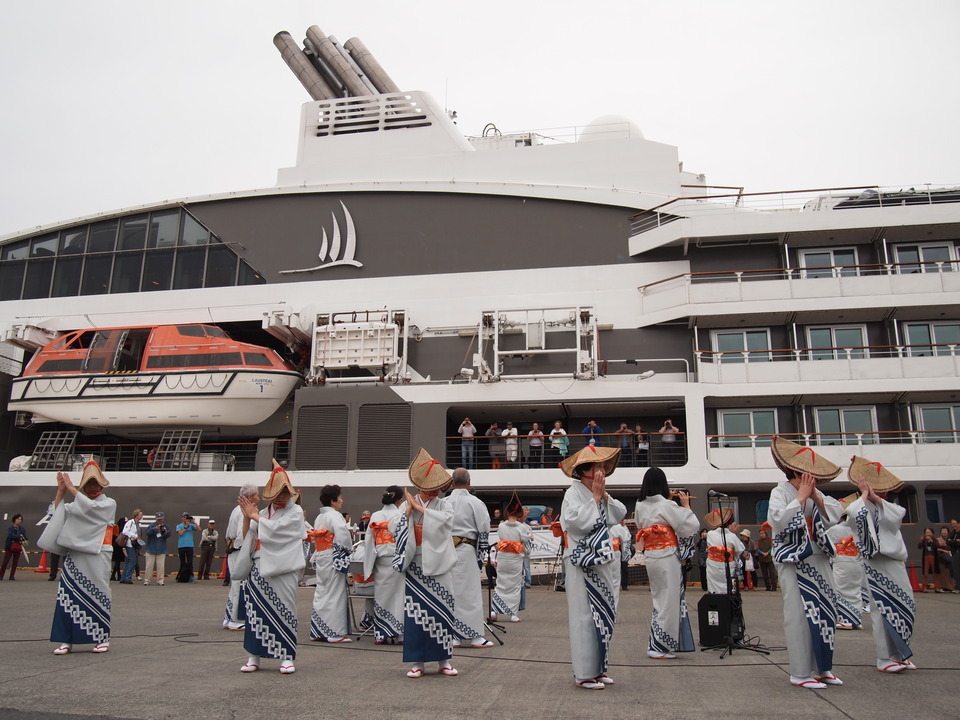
column 845, row 501
column 797, row 458
column 589, row 455
column 93, row 473
column 514, row 507
column 428, row 474
column 879, row 478
column 717, row 517
column 279, row 480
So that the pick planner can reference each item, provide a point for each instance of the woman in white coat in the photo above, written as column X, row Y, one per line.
column 330, row 615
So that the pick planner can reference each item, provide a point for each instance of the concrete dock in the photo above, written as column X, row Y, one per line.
column 170, row 658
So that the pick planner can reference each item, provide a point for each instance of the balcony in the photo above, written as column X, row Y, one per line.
column 797, row 289
column 913, row 448
column 885, row 362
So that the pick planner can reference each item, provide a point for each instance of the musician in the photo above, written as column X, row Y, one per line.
column 587, row 514
column 80, row 533
column 723, row 549
column 875, row 522
column 426, row 556
column 471, row 538
column 514, row 537
column 379, row 547
column 272, row 555
column 669, row 534
column 799, row 516
column 333, row 544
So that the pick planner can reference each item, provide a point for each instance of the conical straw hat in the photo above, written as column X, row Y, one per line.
column 428, row 474
column 797, row 458
column 879, row 478
column 717, row 517
column 514, row 507
column 589, row 455
column 845, row 501
column 277, row 482
column 93, row 473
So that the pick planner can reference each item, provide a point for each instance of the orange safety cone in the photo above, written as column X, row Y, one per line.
column 42, row 567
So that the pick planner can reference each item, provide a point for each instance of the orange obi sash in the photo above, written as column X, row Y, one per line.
column 657, row 537
column 109, row 535
column 322, row 539
column 418, row 533
column 616, row 544
column 510, row 546
column 719, row 553
column 558, row 532
column 810, row 526
column 847, row 547
column 361, row 579
column 381, row 535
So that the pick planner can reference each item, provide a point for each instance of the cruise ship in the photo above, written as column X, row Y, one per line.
column 412, row 277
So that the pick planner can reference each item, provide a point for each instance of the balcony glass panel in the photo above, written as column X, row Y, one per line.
column 96, row 275
column 164, row 227
column 103, row 237
column 133, row 233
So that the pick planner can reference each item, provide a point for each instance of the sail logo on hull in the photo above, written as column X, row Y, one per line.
column 332, row 247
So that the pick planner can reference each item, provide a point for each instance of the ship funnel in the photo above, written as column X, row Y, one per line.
column 298, row 62
column 370, row 67
column 328, row 51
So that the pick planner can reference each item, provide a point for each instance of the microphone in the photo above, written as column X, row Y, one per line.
column 716, row 493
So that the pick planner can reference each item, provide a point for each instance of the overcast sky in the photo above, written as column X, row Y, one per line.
column 113, row 103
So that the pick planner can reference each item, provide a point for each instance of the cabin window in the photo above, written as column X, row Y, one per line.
column 17, row 251
column 837, row 342
column 190, row 330
column 66, row 277
column 194, row 360
column 738, row 346
column 747, row 428
column 44, row 246
column 938, row 423
column 133, row 233
column 96, row 274
column 846, row 425
column 189, row 269
column 828, row 262
column 127, row 269
column 11, row 280
column 39, row 275
column 157, row 270
column 103, row 237
column 924, row 257
column 73, row 242
column 926, row 339
column 256, row 359
column 164, row 227
column 221, row 266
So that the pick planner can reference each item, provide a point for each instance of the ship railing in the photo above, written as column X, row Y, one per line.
column 857, row 438
column 827, row 353
column 493, row 452
column 809, row 200
column 214, row 456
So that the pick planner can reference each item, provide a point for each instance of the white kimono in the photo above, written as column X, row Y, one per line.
column 233, row 613
column 802, row 551
column 270, row 592
column 76, row 532
column 620, row 537
column 848, row 575
column 514, row 539
column 590, row 571
column 379, row 547
column 716, row 570
column 330, row 616
column 876, row 529
column 470, row 520
column 429, row 623
column 669, row 534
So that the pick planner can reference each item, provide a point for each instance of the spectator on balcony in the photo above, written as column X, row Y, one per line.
column 535, row 438
column 641, row 457
column 592, row 434
column 467, row 430
column 511, row 445
column 625, row 443
column 668, row 437
column 495, row 446
column 496, row 518
column 559, row 443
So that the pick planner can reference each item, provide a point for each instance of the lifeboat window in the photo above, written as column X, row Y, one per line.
column 159, row 362
column 190, row 330
column 214, row 331
column 257, row 359
column 61, row 365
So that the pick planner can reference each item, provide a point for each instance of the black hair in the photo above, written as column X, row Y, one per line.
column 14, row 518
column 329, row 494
column 392, row 494
column 654, row 483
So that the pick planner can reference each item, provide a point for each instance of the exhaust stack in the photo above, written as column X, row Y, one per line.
column 298, row 62
column 328, row 51
column 370, row 67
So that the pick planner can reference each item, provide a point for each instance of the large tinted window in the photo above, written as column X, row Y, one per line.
column 96, row 275
column 103, row 237
column 133, row 233
column 188, row 272
column 221, row 266
column 157, row 270
column 126, row 272
column 11, row 280
column 163, row 229
column 37, row 282
column 66, row 277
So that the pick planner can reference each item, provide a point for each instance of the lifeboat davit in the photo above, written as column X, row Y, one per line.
column 156, row 376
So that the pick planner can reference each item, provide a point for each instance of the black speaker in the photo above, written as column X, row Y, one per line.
column 720, row 617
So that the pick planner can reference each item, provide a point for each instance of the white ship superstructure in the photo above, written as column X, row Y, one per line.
column 418, row 277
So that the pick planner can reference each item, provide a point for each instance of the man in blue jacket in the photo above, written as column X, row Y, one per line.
column 156, row 555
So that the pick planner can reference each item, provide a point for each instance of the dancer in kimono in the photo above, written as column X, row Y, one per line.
column 233, row 614
column 272, row 552
column 379, row 547
column 426, row 556
column 875, row 522
column 587, row 514
column 81, row 533
column 622, row 552
column 799, row 516
column 848, row 575
column 330, row 616
column 669, row 533
column 723, row 550
column 471, row 539
column 514, row 538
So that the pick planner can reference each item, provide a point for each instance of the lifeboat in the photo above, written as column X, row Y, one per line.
column 157, row 376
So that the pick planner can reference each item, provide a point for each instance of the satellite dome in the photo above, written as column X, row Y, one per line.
column 611, row 127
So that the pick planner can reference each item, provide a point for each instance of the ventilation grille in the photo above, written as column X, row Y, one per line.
column 383, row 437
column 322, row 438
